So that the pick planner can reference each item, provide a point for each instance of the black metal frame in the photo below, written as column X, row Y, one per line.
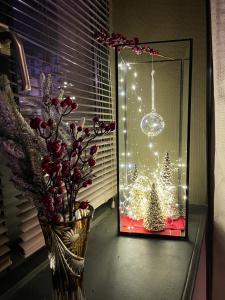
column 185, row 237
column 210, row 139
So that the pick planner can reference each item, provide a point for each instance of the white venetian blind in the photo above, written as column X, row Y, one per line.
column 5, row 255
column 59, row 38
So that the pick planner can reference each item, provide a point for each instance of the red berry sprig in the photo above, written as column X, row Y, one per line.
column 67, row 166
column 116, row 39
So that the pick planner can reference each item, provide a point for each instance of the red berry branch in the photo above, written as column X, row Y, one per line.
column 116, row 39
column 67, row 166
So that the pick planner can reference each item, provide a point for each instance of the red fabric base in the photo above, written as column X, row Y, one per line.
column 172, row 227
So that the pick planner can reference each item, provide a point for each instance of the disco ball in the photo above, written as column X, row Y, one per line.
column 152, row 124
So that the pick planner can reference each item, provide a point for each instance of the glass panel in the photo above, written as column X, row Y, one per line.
column 153, row 97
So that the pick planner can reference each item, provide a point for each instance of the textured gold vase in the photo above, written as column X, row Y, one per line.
column 66, row 243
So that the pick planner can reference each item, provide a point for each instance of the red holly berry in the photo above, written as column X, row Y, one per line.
column 56, row 219
column 44, row 125
column 74, row 153
column 76, row 144
column 84, row 204
column 65, row 166
column 74, row 105
column 96, row 119
column 84, row 184
column 72, row 126
column 49, row 146
column 59, row 200
column 55, row 102
column 46, row 158
column 77, row 172
column 56, row 146
column 86, row 131
column 35, row 123
column 93, row 149
column 59, row 181
column 112, row 126
column 60, row 190
column 102, row 125
column 91, row 162
column 89, row 181
column 56, row 167
column 64, row 145
column 68, row 101
column 63, row 104
column 79, row 128
column 59, row 153
column 107, row 127
column 50, row 208
column 51, row 189
column 50, row 122
column 48, row 200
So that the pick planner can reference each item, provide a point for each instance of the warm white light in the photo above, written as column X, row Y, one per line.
column 183, row 165
column 184, row 197
column 139, row 109
column 121, row 80
column 133, row 87
column 139, row 98
column 128, row 153
column 184, row 187
column 123, row 106
column 129, row 166
column 65, row 82
column 123, row 154
column 135, row 74
column 124, row 119
column 179, row 165
column 124, row 131
column 156, row 153
column 122, row 93
column 73, row 98
column 150, row 145
column 122, row 165
column 129, row 67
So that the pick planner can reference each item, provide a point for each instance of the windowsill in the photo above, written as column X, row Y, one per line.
column 125, row 268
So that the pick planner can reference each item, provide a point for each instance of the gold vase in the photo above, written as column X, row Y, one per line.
column 66, row 243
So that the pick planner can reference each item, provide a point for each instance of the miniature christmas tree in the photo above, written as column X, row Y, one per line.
column 137, row 197
column 153, row 219
column 135, row 173
column 166, row 172
column 167, row 192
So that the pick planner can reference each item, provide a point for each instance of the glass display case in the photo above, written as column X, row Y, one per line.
column 153, row 138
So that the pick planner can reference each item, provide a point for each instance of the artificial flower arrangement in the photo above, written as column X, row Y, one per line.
column 68, row 164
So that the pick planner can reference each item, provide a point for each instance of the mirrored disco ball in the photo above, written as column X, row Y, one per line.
column 152, row 124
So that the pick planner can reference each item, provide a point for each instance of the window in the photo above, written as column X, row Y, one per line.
column 59, row 39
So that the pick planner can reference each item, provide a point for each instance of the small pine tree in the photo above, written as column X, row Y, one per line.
column 167, row 193
column 153, row 219
column 135, row 173
column 137, row 198
column 166, row 171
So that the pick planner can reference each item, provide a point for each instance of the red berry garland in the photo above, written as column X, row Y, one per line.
column 117, row 39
